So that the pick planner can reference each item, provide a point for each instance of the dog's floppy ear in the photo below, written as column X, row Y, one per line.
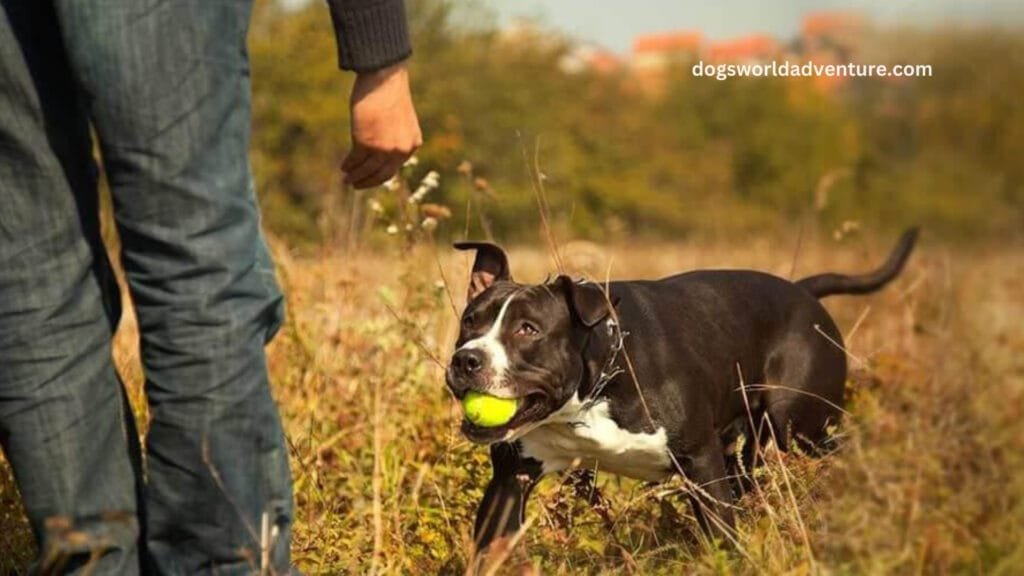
column 490, row 266
column 587, row 301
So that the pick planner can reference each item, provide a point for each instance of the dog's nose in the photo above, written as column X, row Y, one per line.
column 468, row 362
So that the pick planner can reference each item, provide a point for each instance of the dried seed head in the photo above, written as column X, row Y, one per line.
column 437, row 211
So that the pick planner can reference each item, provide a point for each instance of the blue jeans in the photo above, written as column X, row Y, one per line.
column 165, row 88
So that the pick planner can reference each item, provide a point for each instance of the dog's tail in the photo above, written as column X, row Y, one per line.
column 822, row 285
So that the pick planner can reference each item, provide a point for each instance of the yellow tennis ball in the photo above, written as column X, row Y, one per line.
column 488, row 411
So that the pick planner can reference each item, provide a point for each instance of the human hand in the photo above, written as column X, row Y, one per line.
column 385, row 129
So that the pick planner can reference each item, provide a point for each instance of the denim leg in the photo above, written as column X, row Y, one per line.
column 65, row 425
column 170, row 100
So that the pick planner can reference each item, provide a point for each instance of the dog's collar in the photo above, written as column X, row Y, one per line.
column 610, row 369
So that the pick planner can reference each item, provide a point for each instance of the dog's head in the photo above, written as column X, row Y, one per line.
column 521, row 341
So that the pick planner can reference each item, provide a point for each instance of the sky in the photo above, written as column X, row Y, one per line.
column 614, row 24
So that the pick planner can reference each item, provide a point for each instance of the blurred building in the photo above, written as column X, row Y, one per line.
column 831, row 37
column 752, row 49
column 836, row 31
column 657, row 51
column 655, row 54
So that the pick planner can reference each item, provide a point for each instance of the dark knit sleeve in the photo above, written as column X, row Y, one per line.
column 372, row 34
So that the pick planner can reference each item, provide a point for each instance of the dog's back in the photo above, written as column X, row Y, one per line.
column 693, row 338
column 721, row 348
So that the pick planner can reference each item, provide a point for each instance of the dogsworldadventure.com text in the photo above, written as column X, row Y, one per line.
column 787, row 69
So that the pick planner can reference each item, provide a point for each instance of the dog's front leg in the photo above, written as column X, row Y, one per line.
column 710, row 490
column 503, row 508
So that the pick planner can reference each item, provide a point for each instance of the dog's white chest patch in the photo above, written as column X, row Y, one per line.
column 588, row 434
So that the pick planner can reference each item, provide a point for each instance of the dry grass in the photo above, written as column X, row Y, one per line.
column 927, row 479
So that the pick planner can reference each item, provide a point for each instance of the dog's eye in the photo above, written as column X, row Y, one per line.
column 469, row 320
column 527, row 329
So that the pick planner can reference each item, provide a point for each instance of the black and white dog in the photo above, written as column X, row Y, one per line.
column 651, row 378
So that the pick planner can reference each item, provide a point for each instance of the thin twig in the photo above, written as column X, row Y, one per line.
column 377, row 481
column 416, row 339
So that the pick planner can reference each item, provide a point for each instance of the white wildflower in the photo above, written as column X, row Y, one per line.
column 393, row 183
column 412, row 161
column 376, row 206
column 392, row 229
column 419, row 194
column 431, row 180
column 429, row 223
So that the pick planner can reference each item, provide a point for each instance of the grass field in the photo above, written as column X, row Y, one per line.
column 927, row 480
